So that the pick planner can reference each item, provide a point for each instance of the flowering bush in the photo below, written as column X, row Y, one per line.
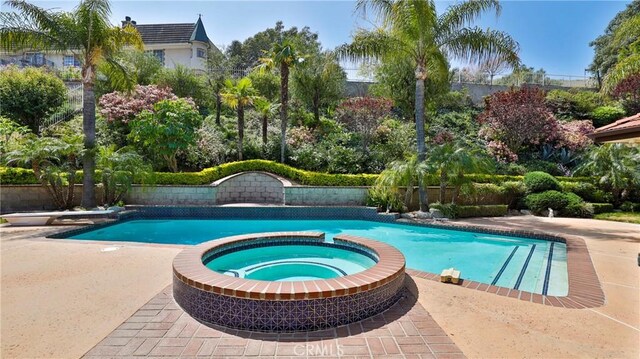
column 363, row 115
column 118, row 106
column 299, row 136
column 573, row 135
column 515, row 119
column 628, row 91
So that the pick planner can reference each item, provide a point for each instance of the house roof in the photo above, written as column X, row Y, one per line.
column 172, row 33
column 623, row 130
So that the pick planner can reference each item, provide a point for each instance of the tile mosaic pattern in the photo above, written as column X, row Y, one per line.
column 161, row 329
column 284, row 315
column 285, row 306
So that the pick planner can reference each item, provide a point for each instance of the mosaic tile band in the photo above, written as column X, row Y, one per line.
column 286, row 306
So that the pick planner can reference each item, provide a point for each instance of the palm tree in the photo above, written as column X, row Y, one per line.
column 238, row 96
column 283, row 56
column 451, row 161
column 87, row 32
column 266, row 109
column 617, row 166
column 403, row 173
column 412, row 29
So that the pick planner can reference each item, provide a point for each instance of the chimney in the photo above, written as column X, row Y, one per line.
column 127, row 21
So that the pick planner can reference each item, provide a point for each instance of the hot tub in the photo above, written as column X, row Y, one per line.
column 291, row 281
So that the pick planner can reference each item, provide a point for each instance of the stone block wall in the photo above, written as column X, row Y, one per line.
column 172, row 195
column 250, row 187
column 325, row 196
column 15, row 198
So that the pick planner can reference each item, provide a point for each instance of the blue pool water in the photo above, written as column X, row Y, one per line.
column 291, row 263
column 527, row 264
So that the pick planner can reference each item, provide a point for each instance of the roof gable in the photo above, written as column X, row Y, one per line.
column 172, row 33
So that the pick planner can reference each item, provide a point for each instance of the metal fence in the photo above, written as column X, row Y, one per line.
column 71, row 106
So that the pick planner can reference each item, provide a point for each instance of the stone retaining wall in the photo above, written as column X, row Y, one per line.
column 172, row 195
column 325, row 196
column 14, row 198
column 250, row 187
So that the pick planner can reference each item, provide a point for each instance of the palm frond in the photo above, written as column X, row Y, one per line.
column 477, row 45
column 32, row 27
column 465, row 13
column 369, row 45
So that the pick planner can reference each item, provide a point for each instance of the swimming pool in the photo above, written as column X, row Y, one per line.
column 531, row 265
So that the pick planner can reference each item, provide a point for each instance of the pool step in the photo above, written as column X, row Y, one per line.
column 522, row 269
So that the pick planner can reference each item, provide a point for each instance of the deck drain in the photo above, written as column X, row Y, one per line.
column 109, row 249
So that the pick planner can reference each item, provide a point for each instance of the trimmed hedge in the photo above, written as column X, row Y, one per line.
column 17, row 176
column 602, row 207
column 14, row 175
column 540, row 182
column 539, row 202
column 576, row 207
column 209, row 175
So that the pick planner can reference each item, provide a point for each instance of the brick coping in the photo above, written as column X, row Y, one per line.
column 585, row 290
column 188, row 267
column 584, row 286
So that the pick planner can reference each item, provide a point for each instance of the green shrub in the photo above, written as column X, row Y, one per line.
column 540, row 181
column 12, row 175
column 449, row 210
column 384, row 199
column 496, row 210
column 542, row 166
column 486, row 193
column 539, row 202
column 605, row 115
column 309, row 178
column 456, row 211
column 576, row 207
column 588, row 191
column 601, row 207
column 513, row 192
column 630, row 207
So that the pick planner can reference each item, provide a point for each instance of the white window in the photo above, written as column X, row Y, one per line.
column 159, row 54
column 201, row 53
column 70, row 60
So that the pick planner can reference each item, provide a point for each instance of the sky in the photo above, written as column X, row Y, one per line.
column 553, row 35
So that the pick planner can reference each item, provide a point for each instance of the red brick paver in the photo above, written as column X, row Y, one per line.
column 406, row 330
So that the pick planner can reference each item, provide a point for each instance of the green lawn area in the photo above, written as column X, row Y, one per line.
column 629, row 217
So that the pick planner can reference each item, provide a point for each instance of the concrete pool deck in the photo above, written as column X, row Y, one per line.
column 59, row 298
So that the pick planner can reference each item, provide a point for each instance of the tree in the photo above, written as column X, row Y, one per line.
column 412, row 29
column 626, row 39
column 402, row 173
column 318, row 82
column 29, row 95
column 451, row 161
column 87, row 32
column 54, row 162
column 266, row 109
column 248, row 53
column 493, row 66
column 266, row 83
column 514, row 119
column 283, row 55
column 616, row 165
column 363, row 115
column 184, row 82
column 238, row 96
column 170, row 128
column 218, row 71
column 142, row 69
column 628, row 92
column 119, row 169
column 606, row 48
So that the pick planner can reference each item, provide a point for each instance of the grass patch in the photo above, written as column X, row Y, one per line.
column 629, row 217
